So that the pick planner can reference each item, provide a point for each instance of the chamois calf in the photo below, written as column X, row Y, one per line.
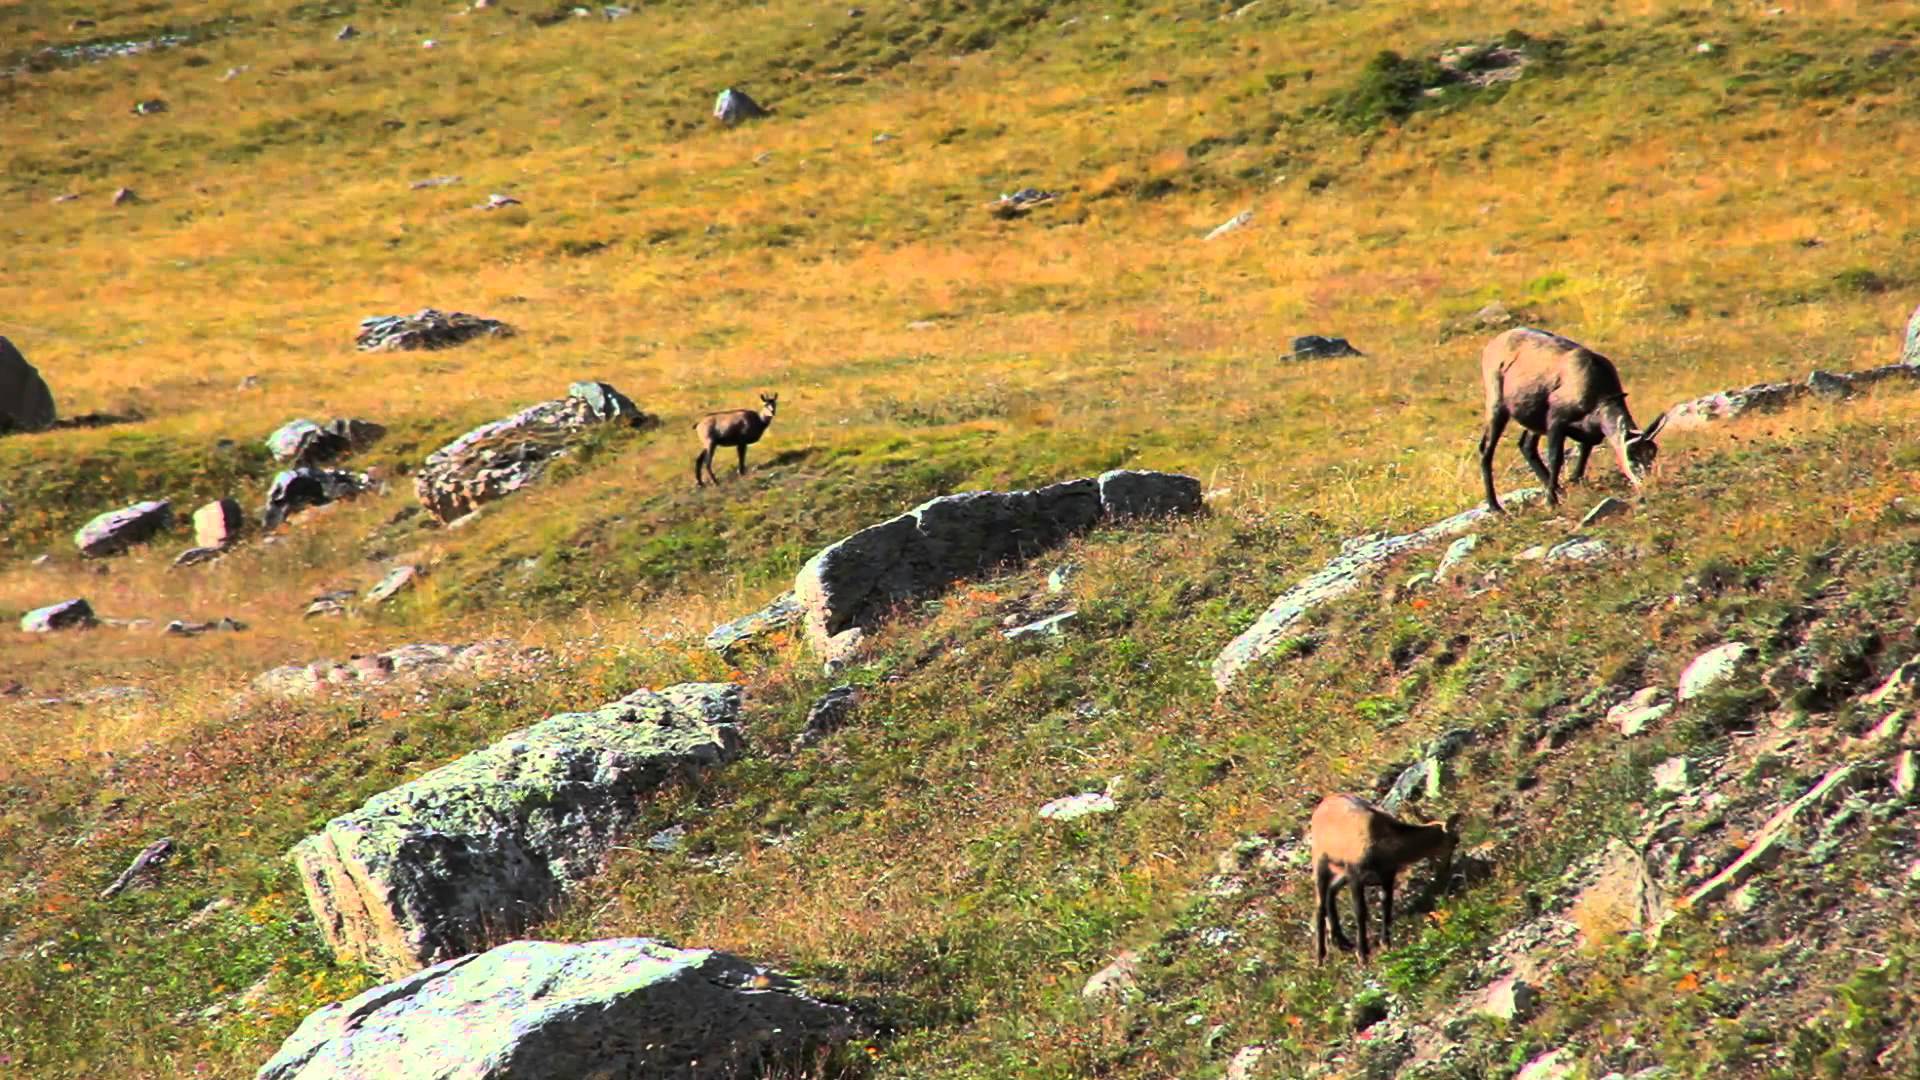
column 739, row 428
column 1357, row 843
column 1563, row 390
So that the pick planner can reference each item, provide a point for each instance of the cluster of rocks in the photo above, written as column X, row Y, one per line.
column 497, row 458
column 303, row 442
column 25, row 402
column 478, row 850
column 407, row 665
column 1483, row 65
column 425, row 329
column 1763, row 397
column 294, row 490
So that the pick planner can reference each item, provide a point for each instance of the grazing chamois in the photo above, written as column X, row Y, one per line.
column 1355, row 842
column 1563, row 390
column 739, row 428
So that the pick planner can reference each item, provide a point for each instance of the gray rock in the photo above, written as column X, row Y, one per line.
column 347, row 33
column 218, row 523
column 478, row 850
column 194, row 556
column 1767, row 846
column 1051, row 626
column 416, row 664
column 1245, row 1063
column 337, row 602
column 538, row 1010
column 783, row 612
column 183, row 628
column 1828, row 385
column 1910, row 354
column 1358, row 560
column 303, row 442
column 1712, row 669
column 1315, row 347
column 853, row 583
column 830, row 712
column 668, row 840
column 66, row 615
column 117, row 530
column 1118, row 980
column 425, row 329
column 1074, row 807
column 434, row 182
column 1673, row 776
column 496, row 459
column 1901, row 684
column 1906, row 775
column 397, row 580
column 294, row 490
column 1648, row 706
column 124, row 196
column 25, row 402
column 1509, row 998
column 1060, row 577
column 1604, row 509
column 732, row 106
column 1456, row 554
column 1233, row 224
column 1580, row 549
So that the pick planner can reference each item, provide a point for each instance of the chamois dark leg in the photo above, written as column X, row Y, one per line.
column 699, row 460
column 1530, row 449
column 1556, row 456
column 1322, row 897
column 1386, row 911
column 1580, row 463
column 1360, row 915
column 1490, row 438
column 743, row 459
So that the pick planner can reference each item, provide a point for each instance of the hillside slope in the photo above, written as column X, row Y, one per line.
column 1712, row 198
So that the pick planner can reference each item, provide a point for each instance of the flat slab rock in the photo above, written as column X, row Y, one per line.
column 539, row 1010
column 66, row 615
column 501, row 457
column 781, row 613
column 478, row 850
column 425, row 329
column 113, row 532
column 406, row 665
column 853, row 583
column 1345, row 572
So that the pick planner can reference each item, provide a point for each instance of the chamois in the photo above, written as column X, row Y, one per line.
column 1563, row 390
column 1355, row 842
column 739, row 428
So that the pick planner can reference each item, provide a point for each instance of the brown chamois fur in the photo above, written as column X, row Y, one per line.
column 1563, row 390
column 1355, row 842
column 738, row 428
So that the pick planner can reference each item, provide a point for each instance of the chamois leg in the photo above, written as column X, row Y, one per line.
column 743, row 459
column 1386, row 912
column 1580, row 463
column 1322, row 897
column 1490, row 438
column 1530, row 449
column 699, row 460
column 1360, row 916
column 1556, row 456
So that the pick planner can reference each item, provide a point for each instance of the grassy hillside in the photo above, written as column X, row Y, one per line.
column 1712, row 197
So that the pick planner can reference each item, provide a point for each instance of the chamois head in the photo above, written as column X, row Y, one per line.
column 770, row 401
column 1641, row 450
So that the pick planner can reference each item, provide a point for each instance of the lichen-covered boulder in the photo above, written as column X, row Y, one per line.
column 117, row 530
column 295, row 490
column 303, row 442
column 541, row 1010
column 425, row 329
column 66, row 615
column 504, row 456
column 25, row 402
column 851, row 584
column 476, row 851
column 782, row 612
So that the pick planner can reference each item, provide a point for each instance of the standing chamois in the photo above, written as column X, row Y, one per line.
column 1563, row 390
column 1355, row 842
column 738, row 428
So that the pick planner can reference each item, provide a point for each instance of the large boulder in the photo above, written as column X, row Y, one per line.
column 303, row 442
column 295, row 490
column 541, row 1010
column 851, row 584
column 218, row 523
column 504, row 456
column 66, row 615
column 477, row 851
column 733, row 106
column 25, row 402
column 425, row 329
column 117, row 530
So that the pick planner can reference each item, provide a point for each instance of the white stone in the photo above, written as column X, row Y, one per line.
column 1713, row 669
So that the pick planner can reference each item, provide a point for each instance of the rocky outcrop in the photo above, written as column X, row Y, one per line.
column 539, row 1010
column 1359, row 559
column 25, row 402
column 113, row 532
column 1763, row 397
column 408, row 665
column 850, row 585
column 476, row 851
column 303, row 442
column 504, row 456
column 295, row 490
column 425, row 329
column 783, row 612
column 66, row 615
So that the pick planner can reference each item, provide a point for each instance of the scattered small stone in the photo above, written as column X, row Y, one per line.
column 113, row 532
column 149, row 107
column 1552, row 1065
column 923, row 324
column 497, row 201
column 434, row 182
column 1051, row 626
column 1021, row 202
column 152, row 858
column 733, row 106
column 1061, row 576
column 1910, row 352
column 1316, row 347
column 67, row 198
column 123, row 196
column 1245, row 1063
column 668, row 840
column 1901, row 685
column 1533, row 554
column 1118, row 980
column 331, row 603
column 1706, row 48
column 81, row 24
column 1073, row 807
column 1906, row 775
column 183, row 628
column 1456, row 553
column 884, row 137
column 505, row 455
column 1604, row 509
column 1581, row 549
column 397, row 579
column 193, row 556
column 829, row 713
column 303, row 442
column 1712, row 669
column 430, row 44
column 1648, row 706
column 234, row 73
column 67, row 615
column 1510, row 998
column 347, row 33
column 783, row 612
column 1673, row 776
column 426, row 329
column 1233, row 224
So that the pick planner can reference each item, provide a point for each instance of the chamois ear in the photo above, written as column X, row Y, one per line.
column 1454, row 821
column 1653, row 429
